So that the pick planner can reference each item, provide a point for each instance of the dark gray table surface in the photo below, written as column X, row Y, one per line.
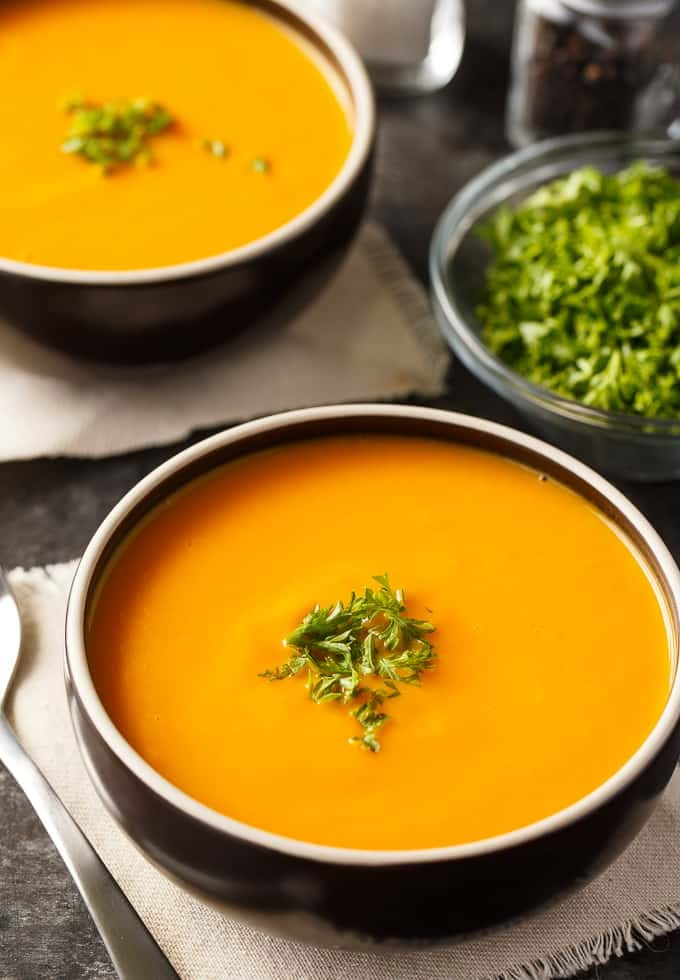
column 48, row 508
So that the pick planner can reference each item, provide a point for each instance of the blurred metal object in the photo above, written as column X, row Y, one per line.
column 659, row 105
column 409, row 46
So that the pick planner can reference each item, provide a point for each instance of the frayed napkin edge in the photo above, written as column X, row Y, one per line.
column 630, row 937
column 396, row 273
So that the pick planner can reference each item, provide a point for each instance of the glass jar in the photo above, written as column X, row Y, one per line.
column 409, row 46
column 580, row 65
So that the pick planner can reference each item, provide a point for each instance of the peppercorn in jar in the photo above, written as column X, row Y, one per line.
column 582, row 65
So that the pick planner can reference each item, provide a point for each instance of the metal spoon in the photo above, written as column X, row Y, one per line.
column 132, row 948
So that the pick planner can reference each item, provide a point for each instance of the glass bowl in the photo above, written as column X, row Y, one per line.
column 626, row 446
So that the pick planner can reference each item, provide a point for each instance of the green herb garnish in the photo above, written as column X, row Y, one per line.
column 114, row 134
column 359, row 651
column 583, row 293
column 261, row 165
column 217, row 148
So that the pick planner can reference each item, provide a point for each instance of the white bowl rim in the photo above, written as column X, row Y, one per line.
column 78, row 672
column 363, row 104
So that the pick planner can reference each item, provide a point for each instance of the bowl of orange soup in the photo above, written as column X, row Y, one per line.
column 376, row 671
column 163, row 189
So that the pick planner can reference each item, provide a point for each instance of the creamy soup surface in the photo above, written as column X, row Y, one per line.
column 224, row 71
column 553, row 654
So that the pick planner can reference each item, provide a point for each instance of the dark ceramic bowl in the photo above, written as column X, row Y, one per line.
column 173, row 311
column 331, row 894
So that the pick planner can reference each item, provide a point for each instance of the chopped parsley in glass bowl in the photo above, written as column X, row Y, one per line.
column 556, row 280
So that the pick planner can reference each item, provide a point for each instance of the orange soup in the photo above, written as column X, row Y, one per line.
column 553, row 657
column 259, row 130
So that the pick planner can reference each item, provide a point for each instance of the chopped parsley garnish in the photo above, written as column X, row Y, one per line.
column 261, row 165
column 583, row 293
column 217, row 148
column 114, row 134
column 359, row 652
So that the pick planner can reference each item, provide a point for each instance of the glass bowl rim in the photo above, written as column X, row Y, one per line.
column 459, row 216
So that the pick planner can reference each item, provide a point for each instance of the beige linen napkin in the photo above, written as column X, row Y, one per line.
column 636, row 899
column 369, row 335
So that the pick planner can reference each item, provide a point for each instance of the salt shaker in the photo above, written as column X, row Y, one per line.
column 581, row 65
column 409, row 46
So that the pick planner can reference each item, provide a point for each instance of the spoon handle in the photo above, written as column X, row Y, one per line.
column 133, row 950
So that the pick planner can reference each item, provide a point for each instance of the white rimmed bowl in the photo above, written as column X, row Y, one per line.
column 330, row 894
column 173, row 311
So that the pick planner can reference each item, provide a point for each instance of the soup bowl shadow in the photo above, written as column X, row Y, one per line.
column 170, row 312
column 331, row 895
